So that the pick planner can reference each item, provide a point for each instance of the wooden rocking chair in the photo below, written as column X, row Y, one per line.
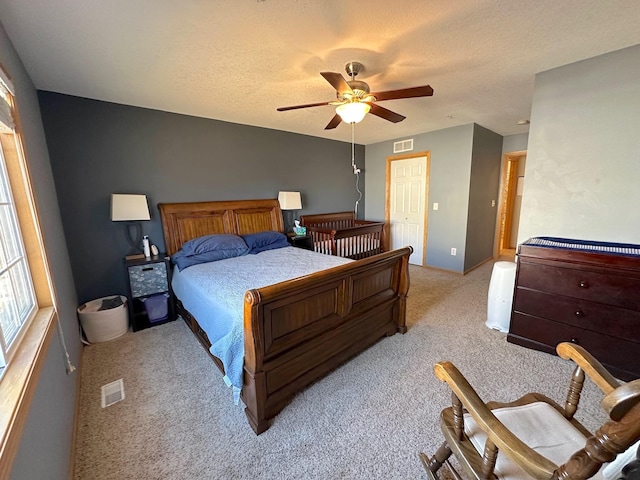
column 534, row 437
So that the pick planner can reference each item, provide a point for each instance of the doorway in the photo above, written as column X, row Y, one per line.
column 511, row 186
column 407, row 186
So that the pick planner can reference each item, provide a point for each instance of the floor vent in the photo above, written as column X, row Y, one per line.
column 112, row 393
column 403, row 146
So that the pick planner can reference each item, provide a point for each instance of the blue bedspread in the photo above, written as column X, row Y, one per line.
column 214, row 294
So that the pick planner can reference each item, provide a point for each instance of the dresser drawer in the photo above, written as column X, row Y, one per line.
column 612, row 321
column 622, row 354
column 618, row 290
column 148, row 279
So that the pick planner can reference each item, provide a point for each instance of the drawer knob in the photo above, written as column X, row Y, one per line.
column 578, row 313
column 583, row 284
column 575, row 340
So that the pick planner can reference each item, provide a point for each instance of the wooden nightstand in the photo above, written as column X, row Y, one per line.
column 301, row 241
column 148, row 279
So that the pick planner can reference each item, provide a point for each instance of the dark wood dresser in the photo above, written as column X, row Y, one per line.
column 583, row 292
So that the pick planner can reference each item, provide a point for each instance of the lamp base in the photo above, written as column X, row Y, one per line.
column 288, row 217
column 134, row 242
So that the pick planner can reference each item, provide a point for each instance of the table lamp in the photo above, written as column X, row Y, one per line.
column 130, row 209
column 289, row 203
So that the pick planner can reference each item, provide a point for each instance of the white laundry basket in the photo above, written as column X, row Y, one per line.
column 103, row 325
column 503, row 278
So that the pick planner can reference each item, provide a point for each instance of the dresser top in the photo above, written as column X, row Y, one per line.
column 585, row 245
column 621, row 257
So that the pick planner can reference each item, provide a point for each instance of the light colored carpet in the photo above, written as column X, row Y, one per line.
column 366, row 420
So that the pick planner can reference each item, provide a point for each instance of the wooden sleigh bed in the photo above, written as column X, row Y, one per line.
column 343, row 235
column 296, row 331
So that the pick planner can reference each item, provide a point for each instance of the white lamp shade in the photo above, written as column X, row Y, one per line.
column 353, row 112
column 129, row 208
column 289, row 200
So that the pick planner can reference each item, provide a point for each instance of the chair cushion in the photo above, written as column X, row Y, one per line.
column 537, row 424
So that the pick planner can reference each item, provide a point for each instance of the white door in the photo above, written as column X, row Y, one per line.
column 407, row 202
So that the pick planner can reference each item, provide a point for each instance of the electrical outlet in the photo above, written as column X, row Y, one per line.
column 493, row 203
column 453, row 251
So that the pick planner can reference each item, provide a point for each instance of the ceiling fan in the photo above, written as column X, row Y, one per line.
column 354, row 99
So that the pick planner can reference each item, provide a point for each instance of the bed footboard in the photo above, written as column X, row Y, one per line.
column 298, row 331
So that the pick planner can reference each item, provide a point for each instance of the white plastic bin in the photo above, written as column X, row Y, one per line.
column 503, row 279
column 103, row 325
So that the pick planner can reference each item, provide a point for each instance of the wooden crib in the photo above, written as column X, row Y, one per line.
column 343, row 235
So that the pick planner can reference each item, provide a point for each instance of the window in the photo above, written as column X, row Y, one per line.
column 17, row 297
column 17, row 300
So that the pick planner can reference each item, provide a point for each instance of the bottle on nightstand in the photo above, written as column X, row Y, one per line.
column 145, row 246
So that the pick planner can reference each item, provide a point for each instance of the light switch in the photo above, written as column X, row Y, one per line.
column 435, row 205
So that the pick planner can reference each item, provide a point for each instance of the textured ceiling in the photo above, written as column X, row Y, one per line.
column 238, row 60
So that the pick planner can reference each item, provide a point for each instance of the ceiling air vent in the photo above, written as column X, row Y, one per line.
column 403, row 146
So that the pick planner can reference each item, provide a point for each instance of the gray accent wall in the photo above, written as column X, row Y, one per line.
column 583, row 160
column 452, row 155
column 45, row 446
column 99, row 148
column 483, row 196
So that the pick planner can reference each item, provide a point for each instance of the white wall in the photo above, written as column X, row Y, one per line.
column 583, row 161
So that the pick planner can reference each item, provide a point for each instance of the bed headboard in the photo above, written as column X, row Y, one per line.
column 182, row 222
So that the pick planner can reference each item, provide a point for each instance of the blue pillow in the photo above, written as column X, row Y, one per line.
column 183, row 261
column 269, row 240
column 218, row 242
column 209, row 248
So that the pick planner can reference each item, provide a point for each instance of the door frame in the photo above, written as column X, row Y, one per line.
column 387, row 201
column 508, row 187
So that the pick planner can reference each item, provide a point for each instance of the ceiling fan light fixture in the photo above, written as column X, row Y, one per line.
column 354, row 98
column 353, row 112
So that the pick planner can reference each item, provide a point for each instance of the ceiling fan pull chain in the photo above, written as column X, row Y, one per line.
column 356, row 170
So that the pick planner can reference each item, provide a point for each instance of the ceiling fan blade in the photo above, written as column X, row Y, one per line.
column 335, row 121
column 295, row 107
column 384, row 113
column 337, row 81
column 424, row 91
